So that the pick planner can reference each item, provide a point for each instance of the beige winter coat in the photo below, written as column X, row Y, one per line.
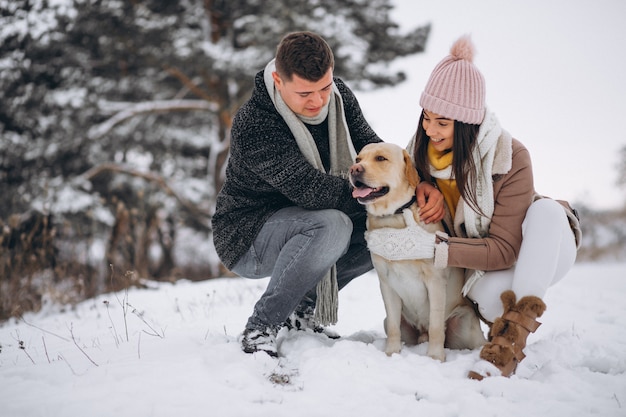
column 513, row 193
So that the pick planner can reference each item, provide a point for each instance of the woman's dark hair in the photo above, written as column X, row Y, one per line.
column 304, row 54
column 463, row 166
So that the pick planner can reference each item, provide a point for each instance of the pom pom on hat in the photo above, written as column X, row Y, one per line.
column 463, row 48
column 456, row 88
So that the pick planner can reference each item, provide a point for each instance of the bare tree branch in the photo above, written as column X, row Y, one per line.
column 148, row 176
column 159, row 106
column 193, row 87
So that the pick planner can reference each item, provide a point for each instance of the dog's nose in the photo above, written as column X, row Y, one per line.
column 356, row 169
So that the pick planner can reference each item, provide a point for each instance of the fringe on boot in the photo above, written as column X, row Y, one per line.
column 508, row 334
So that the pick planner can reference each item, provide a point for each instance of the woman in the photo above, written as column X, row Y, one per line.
column 513, row 243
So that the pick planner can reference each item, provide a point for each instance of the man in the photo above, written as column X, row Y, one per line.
column 286, row 209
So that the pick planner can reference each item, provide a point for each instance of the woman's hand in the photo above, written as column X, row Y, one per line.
column 430, row 201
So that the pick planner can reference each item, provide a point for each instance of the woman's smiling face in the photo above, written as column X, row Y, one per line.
column 439, row 129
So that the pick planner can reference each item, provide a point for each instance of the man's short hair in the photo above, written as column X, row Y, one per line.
column 304, row 54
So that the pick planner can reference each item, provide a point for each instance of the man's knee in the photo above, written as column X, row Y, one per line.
column 334, row 227
column 333, row 220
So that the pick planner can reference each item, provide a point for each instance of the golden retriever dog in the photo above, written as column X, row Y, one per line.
column 422, row 303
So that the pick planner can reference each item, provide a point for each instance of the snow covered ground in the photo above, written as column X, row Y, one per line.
column 174, row 351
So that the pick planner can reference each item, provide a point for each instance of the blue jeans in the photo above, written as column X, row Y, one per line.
column 296, row 248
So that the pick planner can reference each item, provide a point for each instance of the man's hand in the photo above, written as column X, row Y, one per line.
column 430, row 201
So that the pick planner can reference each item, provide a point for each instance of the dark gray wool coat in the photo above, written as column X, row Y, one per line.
column 266, row 172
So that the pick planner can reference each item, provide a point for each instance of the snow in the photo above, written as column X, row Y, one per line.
column 172, row 349
column 175, row 351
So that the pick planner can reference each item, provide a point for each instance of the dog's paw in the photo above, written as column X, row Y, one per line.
column 393, row 347
column 437, row 354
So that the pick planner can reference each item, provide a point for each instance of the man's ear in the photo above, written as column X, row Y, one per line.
column 278, row 82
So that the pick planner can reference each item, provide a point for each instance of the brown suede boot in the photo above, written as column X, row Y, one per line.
column 508, row 334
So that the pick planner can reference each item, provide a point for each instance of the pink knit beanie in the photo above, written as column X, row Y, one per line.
column 456, row 88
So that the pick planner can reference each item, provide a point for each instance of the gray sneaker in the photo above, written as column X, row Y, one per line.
column 305, row 320
column 257, row 340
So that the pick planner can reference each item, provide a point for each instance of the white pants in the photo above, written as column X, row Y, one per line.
column 547, row 253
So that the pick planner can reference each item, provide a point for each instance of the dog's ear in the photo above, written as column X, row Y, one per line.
column 411, row 172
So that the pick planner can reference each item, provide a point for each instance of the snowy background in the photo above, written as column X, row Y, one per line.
column 175, row 352
column 555, row 79
column 554, row 75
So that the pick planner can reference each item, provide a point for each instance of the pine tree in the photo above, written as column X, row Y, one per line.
column 115, row 119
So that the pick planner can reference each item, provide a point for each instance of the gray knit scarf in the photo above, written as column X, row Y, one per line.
column 342, row 156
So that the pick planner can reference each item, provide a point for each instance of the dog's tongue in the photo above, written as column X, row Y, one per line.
column 361, row 192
